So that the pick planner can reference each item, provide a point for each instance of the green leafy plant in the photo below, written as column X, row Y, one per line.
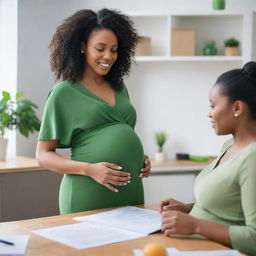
column 17, row 114
column 231, row 42
column 160, row 140
column 210, row 48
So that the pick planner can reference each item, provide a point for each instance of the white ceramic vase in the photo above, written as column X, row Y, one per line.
column 160, row 157
column 3, row 148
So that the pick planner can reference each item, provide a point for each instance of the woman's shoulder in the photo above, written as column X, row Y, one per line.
column 124, row 90
column 250, row 150
column 62, row 87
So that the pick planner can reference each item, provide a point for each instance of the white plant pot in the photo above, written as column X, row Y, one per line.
column 160, row 157
column 3, row 149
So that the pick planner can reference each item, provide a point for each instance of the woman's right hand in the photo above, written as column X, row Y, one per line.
column 172, row 204
column 108, row 174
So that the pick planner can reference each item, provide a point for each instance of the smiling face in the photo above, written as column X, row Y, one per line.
column 100, row 51
column 222, row 112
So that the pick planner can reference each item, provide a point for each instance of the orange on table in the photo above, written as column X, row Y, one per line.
column 154, row 249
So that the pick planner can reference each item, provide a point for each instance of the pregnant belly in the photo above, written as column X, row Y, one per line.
column 117, row 143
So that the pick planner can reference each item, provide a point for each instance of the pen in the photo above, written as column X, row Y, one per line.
column 6, row 242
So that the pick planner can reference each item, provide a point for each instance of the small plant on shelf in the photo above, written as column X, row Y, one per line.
column 231, row 46
column 210, row 49
column 160, row 138
column 231, row 42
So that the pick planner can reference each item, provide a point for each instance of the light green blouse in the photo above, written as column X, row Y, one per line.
column 226, row 194
column 96, row 132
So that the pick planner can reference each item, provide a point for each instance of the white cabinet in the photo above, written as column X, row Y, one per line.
column 162, row 186
column 173, row 179
column 213, row 26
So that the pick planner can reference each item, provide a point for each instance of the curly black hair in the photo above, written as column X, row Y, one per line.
column 66, row 59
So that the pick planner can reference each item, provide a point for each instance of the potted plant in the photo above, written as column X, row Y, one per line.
column 231, row 46
column 218, row 4
column 210, row 49
column 161, row 138
column 18, row 114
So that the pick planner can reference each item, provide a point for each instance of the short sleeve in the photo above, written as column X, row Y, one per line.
column 243, row 238
column 57, row 121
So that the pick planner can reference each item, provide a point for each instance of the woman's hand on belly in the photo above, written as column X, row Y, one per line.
column 145, row 171
column 108, row 174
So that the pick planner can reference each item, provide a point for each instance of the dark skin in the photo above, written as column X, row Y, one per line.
column 227, row 118
column 100, row 54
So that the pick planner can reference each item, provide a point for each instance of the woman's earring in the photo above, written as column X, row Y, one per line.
column 236, row 115
column 82, row 51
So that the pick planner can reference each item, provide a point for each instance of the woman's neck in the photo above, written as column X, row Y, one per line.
column 245, row 135
column 92, row 79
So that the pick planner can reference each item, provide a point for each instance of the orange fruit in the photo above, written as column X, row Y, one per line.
column 154, row 249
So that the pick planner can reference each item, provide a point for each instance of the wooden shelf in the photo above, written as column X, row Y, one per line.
column 19, row 163
column 178, row 166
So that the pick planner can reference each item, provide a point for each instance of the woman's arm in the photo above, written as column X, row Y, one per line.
column 104, row 173
column 176, row 222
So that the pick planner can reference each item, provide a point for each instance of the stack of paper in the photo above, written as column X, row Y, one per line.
column 17, row 249
column 106, row 227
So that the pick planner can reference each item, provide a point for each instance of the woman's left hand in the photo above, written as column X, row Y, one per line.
column 176, row 222
column 145, row 171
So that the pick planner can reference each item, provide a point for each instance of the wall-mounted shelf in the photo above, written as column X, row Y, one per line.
column 211, row 26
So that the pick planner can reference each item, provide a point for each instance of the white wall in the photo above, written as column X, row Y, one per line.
column 8, row 57
column 37, row 22
column 157, row 97
column 175, row 100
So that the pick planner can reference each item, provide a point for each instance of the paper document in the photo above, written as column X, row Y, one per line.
column 86, row 235
column 19, row 245
column 175, row 252
column 131, row 218
column 106, row 227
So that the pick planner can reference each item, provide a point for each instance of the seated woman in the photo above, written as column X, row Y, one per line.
column 225, row 191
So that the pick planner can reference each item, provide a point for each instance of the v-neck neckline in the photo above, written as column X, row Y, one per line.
column 218, row 164
column 86, row 90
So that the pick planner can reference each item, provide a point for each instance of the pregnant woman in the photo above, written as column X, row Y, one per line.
column 90, row 112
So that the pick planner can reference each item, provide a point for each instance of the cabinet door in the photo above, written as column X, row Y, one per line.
column 29, row 194
column 177, row 186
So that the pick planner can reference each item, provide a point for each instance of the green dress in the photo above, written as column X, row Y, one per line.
column 96, row 132
column 226, row 194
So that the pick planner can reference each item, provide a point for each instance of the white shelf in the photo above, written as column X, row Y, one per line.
column 210, row 13
column 208, row 26
column 187, row 58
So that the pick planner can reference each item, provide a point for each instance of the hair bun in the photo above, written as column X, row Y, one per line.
column 249, row 70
